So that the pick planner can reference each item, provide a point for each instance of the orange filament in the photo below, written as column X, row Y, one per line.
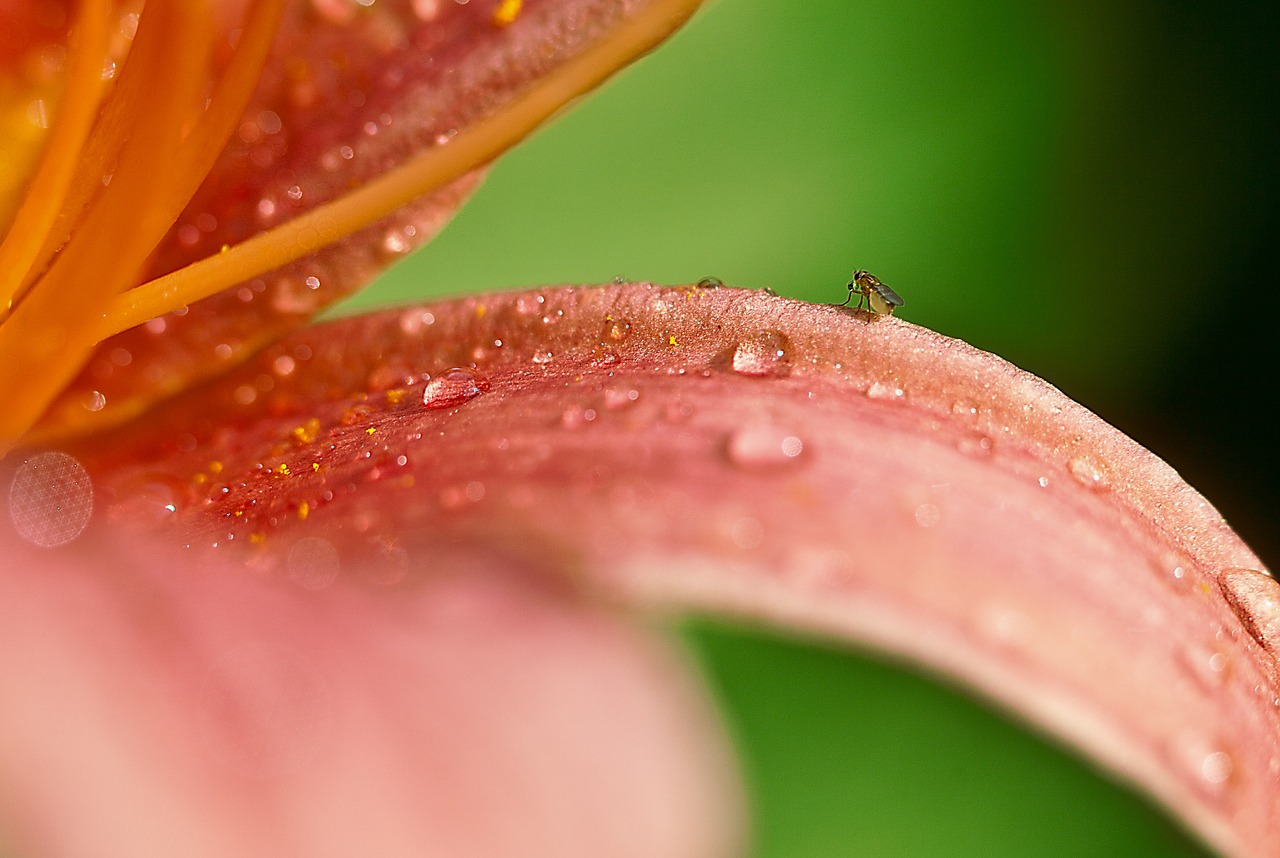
column 473, row 147
column 108, row 190
column 120, row 167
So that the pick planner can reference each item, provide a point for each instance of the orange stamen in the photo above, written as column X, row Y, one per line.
column 52, row 179
column 154, row 156
column 473, row 147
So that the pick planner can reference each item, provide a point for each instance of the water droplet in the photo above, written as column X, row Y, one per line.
column 710, row 283
column 763, row 445
column 313, row 563
column 543, row 358
column 395, row 241
column 528, row 305
column 1207, row 667
column 576, row 416
column 1089, row 473
column 50, row 499
column 453, row 387
column 883, row 390
column 415, row 320
column 762, row 354
column 1255, row 596
column 94, row 400
column 1216, row 768
column 614, row 330
column 978, row 446
column 928, row 515
column 1043, row 482
column 963, row 409
column 616, row 398
column 269, row 122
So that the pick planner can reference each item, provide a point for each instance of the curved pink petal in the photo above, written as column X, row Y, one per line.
column 729, row 451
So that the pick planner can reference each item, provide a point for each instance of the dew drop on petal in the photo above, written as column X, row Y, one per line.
column 763, row 445
column 762, row 354
column 616, row 398
column 1216, row 768
column 453, row 387
column 884, row 390
column 94, row 400
column 50, row 499
column 1089, row 473
column 978, row 446
column 614, row 330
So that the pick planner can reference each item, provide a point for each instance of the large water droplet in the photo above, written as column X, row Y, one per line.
column 453, row 387
column 762, row 354
column 1255, row 596
column 50, row 499
column 94, row 400
column 1089, row 473
column 764, row 445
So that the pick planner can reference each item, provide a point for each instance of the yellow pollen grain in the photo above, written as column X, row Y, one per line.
column 506, row 12
column 282, row 470
column 371, row 430
column 304, row 510
column 671, row 340
column 307, row 432
column 315, row 467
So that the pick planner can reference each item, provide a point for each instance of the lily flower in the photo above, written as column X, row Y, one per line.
column 381, row 585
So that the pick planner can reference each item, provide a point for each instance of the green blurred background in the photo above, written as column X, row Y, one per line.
column 1087, row 189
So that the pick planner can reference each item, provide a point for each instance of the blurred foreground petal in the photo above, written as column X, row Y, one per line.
column 156, row 708
column 728, row 451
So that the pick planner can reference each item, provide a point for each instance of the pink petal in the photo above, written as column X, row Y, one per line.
column 157, row 706
column 728, row 451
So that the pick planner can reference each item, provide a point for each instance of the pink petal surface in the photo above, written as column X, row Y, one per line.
column 729, row 451
column 350, row 92
column 158, row 706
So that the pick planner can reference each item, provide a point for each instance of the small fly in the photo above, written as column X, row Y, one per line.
column 880, row 298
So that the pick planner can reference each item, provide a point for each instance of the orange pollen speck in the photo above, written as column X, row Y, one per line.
column 304, row 510
column 506, row 12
